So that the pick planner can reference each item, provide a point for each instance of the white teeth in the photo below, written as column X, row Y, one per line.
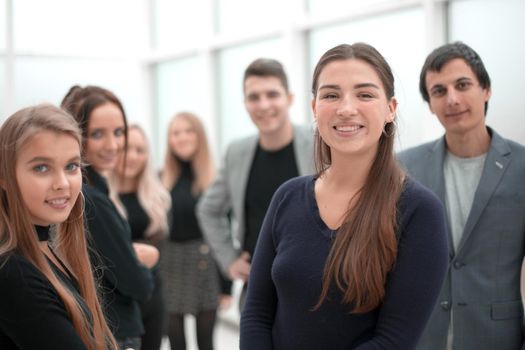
column 57, row 201
column 347, row 128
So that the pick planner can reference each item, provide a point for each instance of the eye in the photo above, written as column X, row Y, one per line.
column 72, row 167
column 96, row 134
column 328, row 96
column 118, row 132
column 436, row 92
column 463, row 85
column 41, row 168
column 365, row 95
column 253, row 98
column 273, row 94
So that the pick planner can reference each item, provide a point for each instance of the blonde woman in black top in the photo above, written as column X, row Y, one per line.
column 146, row 203
column 47, row 295
column 189, row 271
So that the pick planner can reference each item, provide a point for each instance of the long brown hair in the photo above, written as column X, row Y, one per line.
column 365, row 248
column 201, row 163
column 17, row 233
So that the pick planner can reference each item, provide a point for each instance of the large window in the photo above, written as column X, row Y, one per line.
column 494, row 28
column 47, row 80
column 183, row 85
column 234, row 120
column 95, row 27
column 2, row 90
column 236, row 17
column 181, row 24
column 393, row 35
column 3, row 25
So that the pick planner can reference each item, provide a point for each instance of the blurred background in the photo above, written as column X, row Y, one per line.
column 164, row 56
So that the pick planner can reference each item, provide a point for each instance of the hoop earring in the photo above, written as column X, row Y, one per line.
column 391, row 131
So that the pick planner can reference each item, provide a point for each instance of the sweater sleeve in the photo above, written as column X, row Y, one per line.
column 415, row 282
column 32, row 316
column 113, row 245
column 258, row 315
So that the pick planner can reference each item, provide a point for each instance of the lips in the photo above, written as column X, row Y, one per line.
column 347, row 128
column 455, row 114
column 58, row 203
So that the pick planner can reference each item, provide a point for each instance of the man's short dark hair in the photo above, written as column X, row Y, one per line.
column 443, row 54
column 267, row 67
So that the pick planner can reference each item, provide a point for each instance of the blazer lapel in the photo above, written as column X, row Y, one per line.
column 495, row 166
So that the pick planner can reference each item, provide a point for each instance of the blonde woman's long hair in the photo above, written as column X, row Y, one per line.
column 201, row 163
column 153, row 197
column 17, row 233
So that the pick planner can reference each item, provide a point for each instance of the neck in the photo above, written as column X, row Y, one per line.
column 128, row 185
column 278, row 139
column 468, row 145
column 348, row 174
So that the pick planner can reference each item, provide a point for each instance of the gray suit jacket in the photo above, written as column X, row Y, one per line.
column 227, row 193
column 482, row 287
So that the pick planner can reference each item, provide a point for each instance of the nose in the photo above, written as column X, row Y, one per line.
column 346, row 107
column 60, row 181
column 111, row 143
column 264, row 102
column 452, row 97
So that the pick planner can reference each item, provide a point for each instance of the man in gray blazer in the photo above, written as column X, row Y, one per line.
column 253, row 168
column 480, row 177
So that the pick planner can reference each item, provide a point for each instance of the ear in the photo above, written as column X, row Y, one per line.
column 291, row 98
column 488, row 94
column 392, row 109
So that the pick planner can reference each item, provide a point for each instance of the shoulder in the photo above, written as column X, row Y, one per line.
column 415, row 153
column 295, row 188
column 18, row 276
column 417, row 199
column 240, row 144
column 303, row 132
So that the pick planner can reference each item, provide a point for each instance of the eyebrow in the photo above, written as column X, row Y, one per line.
column 356, row 86
column 39, row 159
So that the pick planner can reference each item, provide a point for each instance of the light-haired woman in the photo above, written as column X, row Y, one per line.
column 146, row 203
column 189, row 270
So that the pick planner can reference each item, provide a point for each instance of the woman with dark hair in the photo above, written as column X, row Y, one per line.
column 354, row 256
column 126, row 276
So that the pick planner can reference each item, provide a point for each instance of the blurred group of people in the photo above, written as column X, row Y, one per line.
column 340, row 242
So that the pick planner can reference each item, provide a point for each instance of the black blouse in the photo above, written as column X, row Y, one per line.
column 32, row 315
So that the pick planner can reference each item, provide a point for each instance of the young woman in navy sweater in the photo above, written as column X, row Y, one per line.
column 353, row 257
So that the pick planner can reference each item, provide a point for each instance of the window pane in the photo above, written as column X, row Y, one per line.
column 494, row 28
column 181, row 86
column 326, row 7
column 234, row 120
column 181, row 23
column 404, row 49
column 88, row 27
column 2, row 24
column 2, row 90
column 241, row 16
column 47, row 80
